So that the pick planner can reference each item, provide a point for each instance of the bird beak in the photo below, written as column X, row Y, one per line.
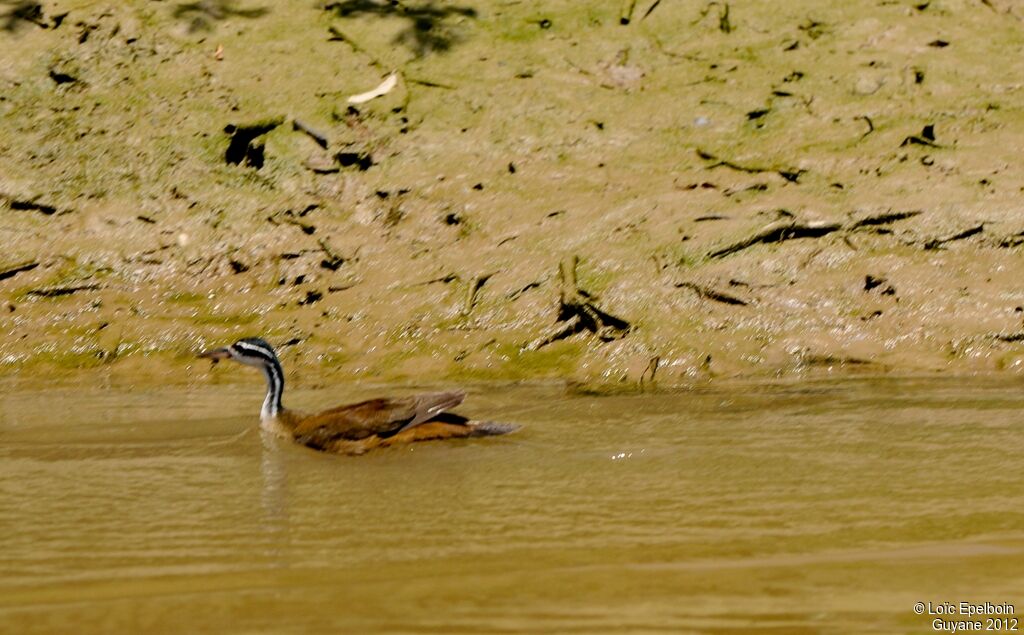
column 216, row 354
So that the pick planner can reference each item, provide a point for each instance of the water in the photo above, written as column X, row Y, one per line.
column 755, row 508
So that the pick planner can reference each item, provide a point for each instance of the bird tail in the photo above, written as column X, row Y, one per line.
column 432, row 405
column 491, row 428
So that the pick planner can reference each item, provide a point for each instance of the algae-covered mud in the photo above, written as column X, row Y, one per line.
column 652, row 191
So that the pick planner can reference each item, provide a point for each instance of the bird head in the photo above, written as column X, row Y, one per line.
column 251, row 351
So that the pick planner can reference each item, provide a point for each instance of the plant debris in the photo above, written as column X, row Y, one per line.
column 778, row 232
column 884, row 218
column 473, row 290
column 577, row 313
column 59, row 77
column 333, row 261
column 1013, row 240
column 30, row 205
column 724, row 25
column 626, row 14
column 9, row 271
column 54, row 292
column 791, row 175
column 872, row 282
column 709, row 293
column 926, row 138
column 937, row 243
column 1009, row 337
column 320, row 139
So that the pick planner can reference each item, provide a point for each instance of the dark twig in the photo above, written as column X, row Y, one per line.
column 724, row 25
column 577, row 313
column 320, row 139
column 338, row 36
column 54, row 292
column 779, row 232
column 473, row 291
column 650, row 9
column 652, row 369
column 871, row 125
column 711, row 294
column 29, row 204
column 936, row 243
column 1009, row 337
column 626, row 13
column 9, row 271
column 791, row 175
column 884, row 218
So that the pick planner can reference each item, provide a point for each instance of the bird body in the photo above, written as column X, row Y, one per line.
column 359, row 427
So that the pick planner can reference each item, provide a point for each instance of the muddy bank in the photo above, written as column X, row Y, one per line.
column 658, row 191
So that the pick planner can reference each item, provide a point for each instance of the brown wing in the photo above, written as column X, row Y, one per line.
column 376, row 417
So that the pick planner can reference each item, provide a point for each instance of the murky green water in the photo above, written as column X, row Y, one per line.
column 787, row 508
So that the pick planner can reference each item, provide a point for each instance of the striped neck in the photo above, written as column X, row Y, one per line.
column 275, row 388
column 253, row 351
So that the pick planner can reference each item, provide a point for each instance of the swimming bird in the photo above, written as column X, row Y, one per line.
column 359, row 427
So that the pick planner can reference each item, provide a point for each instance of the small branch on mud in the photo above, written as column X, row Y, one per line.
column 871, row 283
column 29, row 205
column 937, row 243
column 54, row 292
column 560, row 331
column 428, row 83
column 333, row 260
column 626, row 13
column 343, row 287
column 650, row 9
column 926, row 138
column 871, row 125
column 473, row 291
column 807, row 359
column 1013, row 240
column 9, row 271
column 724, row 25
column 1009, row 337
column 883, row 218
column 446, row 279
column 647, row 377
column 789, row 229
column 307, row 228
column 518, row 292
column 658, row 44
column 320, row 139
column 338, row 36
column 779, row 232
column 709, row 293
column 791, row 175
column 255, row 128
column 1007, row 11
column 578, row 313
